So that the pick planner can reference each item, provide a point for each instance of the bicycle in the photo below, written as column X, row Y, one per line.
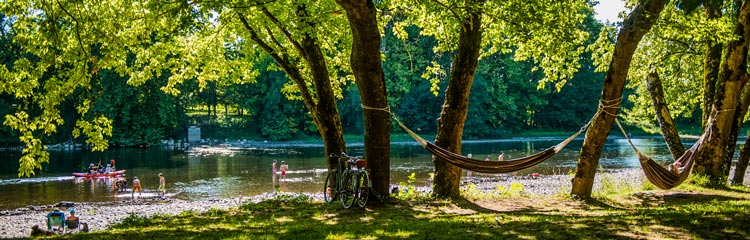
column 362, row 185
column 350, row 185
column 334, row 185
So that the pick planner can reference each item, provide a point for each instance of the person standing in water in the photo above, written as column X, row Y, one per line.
column 162, row 185
column 136, row 187
column 283, row 169
column 274, row 169
column 468, row 172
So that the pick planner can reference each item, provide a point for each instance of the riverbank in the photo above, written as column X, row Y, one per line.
column 521, row 192
column 100, row 216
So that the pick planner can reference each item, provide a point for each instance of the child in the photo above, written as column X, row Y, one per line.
column 284, row 167
column 274, row 169
column 121, row 183
column 136, row 187
column 162, row 184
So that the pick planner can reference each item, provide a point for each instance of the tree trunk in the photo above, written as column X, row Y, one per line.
column 739, row 118
column 323, row 111
column 712, row 160
column 326, row 116
column 666, row 123
column 456, row 105
column 637, row 24
column 368, row 73
column 739, row 171
column 711, row 64
column 326, row 113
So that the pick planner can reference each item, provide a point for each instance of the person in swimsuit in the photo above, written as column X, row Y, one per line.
column 136, row 187
column 162, row 185
column 274, row 169
column 283, row 169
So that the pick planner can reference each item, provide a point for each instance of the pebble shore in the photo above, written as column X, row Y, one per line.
column 99, row 216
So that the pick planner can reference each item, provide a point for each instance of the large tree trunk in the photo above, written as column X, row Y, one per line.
column 739, row 119
column 456, row 105
column 715, row 151
column 368, row 72
column 637, row 24
column 666, row 123
column 323, row 111
column 739, row 171
column 711, row 64
column 326, row 113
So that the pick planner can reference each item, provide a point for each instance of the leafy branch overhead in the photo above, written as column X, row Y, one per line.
column 548, row 32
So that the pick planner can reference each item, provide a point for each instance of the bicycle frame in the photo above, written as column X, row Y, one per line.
column 343, row 166
column 351, row 185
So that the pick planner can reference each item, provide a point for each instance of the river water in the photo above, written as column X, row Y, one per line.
column 245, row 170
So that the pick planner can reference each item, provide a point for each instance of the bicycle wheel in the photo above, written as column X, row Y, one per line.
column 348, row 199
column 363, row 189
column 329, row 189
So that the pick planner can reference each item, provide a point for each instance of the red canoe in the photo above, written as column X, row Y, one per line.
column 98, row 175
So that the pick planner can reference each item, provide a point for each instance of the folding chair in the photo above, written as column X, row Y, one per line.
column 73, row 225
column 56, row 221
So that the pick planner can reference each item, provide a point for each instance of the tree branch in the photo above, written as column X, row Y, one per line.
column 285, row 31
column 273, row 38
column 292, row 71
column 458, row 16
column 78, row 33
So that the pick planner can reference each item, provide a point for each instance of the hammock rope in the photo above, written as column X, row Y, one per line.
column 507, row 166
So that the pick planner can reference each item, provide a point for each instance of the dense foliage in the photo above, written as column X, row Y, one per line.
column 505, row 99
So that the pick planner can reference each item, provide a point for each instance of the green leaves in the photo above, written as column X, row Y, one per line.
column 97, row 130
column 675, row 49
column 547, row 32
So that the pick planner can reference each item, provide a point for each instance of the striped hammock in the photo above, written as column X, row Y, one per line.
column 660, row 176
column 507, row 166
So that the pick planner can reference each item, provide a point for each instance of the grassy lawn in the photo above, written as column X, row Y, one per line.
column 688, row 213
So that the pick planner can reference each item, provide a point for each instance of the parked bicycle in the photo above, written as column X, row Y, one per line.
column 362, row 184
column 350, row 185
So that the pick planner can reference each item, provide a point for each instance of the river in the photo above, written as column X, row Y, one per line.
column 245, row 170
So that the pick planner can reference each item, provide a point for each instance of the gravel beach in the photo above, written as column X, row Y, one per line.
column 99, row 216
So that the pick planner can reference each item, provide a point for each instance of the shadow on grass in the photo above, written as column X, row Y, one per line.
column 426, row 220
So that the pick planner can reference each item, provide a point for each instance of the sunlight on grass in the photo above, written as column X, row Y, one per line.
column 343, row 236
column 284, row 219
column 397, row 234
column 700, row 214
column 327, row 218
column 366, row 219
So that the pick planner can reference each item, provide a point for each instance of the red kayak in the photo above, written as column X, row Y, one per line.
column 98, row 175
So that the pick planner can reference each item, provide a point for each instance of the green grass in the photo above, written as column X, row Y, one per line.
column 680, row 214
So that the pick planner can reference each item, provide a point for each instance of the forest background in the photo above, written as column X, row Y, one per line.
column 506, row 99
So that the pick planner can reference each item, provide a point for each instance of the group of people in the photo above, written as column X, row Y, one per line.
column 500, row 157
column 283, row 168
column 98, row 169
column 137, row 186
column 122, row 184
column 72, row 222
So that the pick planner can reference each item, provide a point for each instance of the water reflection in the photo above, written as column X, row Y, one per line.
column 230, row 171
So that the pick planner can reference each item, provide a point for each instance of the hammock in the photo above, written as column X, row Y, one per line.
column 661, row 177
column 482, row 166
